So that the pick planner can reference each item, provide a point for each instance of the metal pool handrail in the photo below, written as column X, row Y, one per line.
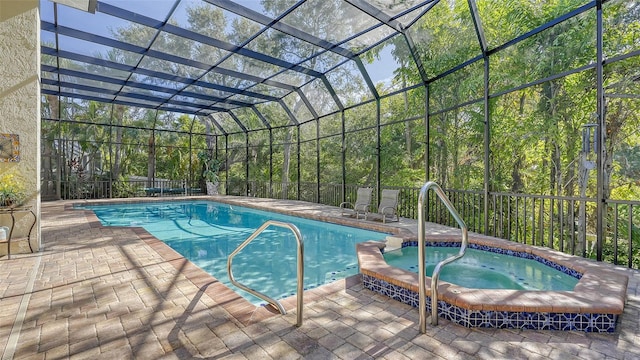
column 300, row 272
column 421, row 255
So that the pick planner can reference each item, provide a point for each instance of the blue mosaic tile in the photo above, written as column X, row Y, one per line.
column 517, row 320
column 443, row 244
column 581, row 322
column 475, row 319
column 498, row 319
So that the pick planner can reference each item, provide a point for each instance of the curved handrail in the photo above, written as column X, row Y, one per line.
column 421, row 255
column 300, row 269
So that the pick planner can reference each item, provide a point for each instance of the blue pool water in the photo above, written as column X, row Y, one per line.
column 484, row 270
column 207, row 232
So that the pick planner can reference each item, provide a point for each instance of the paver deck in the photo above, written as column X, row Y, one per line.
column 117, row 293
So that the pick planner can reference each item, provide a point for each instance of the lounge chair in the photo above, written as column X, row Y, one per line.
column 389, row 204
column 361, row 206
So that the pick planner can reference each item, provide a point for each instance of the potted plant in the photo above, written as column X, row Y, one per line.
column 210, row 168
column 12, row 190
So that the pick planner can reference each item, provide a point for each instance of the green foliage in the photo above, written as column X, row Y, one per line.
column 124, row 189
column 210, row 166
column 534, row 119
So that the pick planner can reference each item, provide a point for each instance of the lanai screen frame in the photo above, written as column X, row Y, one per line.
column 56, row 86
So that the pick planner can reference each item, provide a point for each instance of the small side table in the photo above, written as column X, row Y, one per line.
column 12, row 211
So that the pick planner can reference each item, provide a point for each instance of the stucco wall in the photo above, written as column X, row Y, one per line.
column 20, row 104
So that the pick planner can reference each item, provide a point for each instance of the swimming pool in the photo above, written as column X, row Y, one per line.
column 206, row 232
column 484, row 270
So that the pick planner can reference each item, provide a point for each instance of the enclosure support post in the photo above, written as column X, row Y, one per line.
column 60, row 159
column 110, row 152
column 426, row 132
column 190, row 184
column 270, row 162
column 60, row 153
column 601, row 134
column 298, row 152
column 378, row 144
column 317, row 160
column 246, row 163
column 151, row 168
column 344, row 159
column 487, row 138
column 425, row 81
column 482, row 41
column 226, row 163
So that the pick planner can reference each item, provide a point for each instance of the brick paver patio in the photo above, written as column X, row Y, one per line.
column 116, row 293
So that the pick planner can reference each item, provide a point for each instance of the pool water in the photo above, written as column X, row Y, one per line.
column 484, row 270
column 206, row 233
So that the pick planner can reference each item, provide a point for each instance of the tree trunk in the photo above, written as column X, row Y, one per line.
column 407, row 125
column 583, row 178
column 548, row 110
column 455, row 154
column 616, row 117
column 442, row 154
column 517, row 185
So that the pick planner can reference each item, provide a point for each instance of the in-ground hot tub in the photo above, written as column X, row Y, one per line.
column 593, row 305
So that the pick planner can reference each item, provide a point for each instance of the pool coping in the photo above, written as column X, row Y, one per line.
column 600, row 291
